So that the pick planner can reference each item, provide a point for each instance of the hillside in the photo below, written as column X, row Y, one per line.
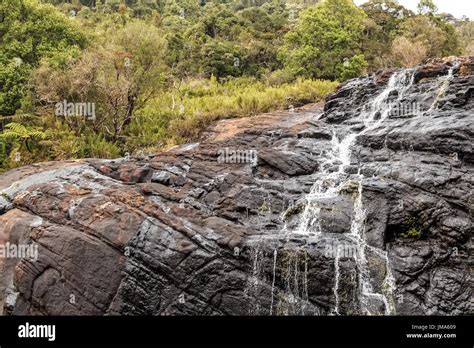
column 355, row 206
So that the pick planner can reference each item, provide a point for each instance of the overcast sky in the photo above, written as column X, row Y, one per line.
column 458, row 8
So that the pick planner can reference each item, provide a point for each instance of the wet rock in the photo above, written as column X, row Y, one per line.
column 335, row 215
column 181, row 232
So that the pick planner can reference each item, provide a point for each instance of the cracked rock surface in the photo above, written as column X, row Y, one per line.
column 182, row 232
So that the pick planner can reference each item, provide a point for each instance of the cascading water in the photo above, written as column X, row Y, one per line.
column 275, row 254
column 253, row 283
column 331, row 181
column 332, row 178
column 443, row 87
column 336, row 283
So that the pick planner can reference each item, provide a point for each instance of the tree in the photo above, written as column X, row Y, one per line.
column 466, row 33
column 120, row 75
column 381, row 27
column 14, row 75
column 427, row 7
column 438, row 37
column 222, row 59
column 324, row 36
column 386, row 13
column 30, row 32
column 406, row 53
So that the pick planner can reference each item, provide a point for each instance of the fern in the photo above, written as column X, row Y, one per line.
column 16, row 128
column 18, row 136
column 3, row 152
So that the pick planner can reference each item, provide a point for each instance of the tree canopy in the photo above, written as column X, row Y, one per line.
column 159, row 71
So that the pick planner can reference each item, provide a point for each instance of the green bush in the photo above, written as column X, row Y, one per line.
column 20, row 145
column 354, row 67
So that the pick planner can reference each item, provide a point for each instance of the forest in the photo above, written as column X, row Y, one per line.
column 111, row 78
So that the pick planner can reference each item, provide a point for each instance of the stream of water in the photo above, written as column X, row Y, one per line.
column 333, row 178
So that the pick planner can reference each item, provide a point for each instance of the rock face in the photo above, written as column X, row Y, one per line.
column 361, row 207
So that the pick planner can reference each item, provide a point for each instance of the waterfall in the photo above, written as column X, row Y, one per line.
column 333, row 178
column 443, row 87
column 336, row 283
column 374, row 296
column 275, row 253
column 331, row 181
column 254, row 282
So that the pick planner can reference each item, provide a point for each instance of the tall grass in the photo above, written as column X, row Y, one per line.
column 178, row 116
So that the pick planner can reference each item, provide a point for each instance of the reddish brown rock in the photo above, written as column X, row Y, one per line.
column 187, row 231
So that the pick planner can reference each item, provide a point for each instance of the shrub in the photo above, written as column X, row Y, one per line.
column 354, row 67
column 95, row 145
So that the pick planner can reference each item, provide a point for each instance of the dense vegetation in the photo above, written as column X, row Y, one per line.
column 159, row 71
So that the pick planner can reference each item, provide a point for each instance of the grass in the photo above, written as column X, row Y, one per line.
column 179, row 116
